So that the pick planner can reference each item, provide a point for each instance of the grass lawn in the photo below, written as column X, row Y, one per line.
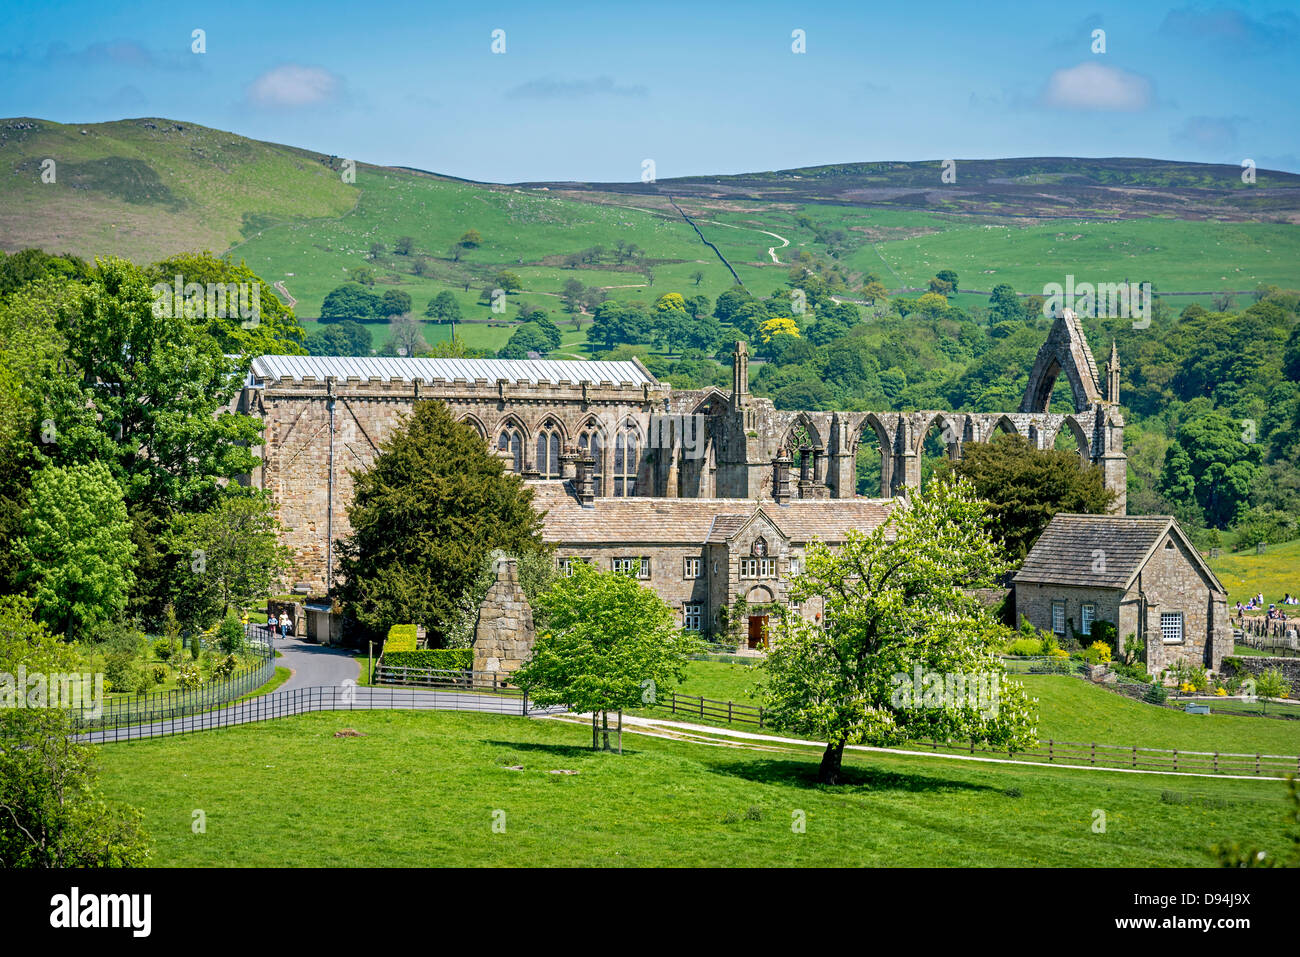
column 1070, row 709
column 424, row 789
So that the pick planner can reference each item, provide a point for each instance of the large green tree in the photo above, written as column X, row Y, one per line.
column 1210, row 467
column 146, row 394
column 52, row 813
column 230, row 555
column 905, row 650
column 76, row 553
column 424, row 517
column 1025, row 487
column 610, row 644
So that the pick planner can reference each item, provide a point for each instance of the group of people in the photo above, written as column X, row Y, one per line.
column 1274, row 613
column 285, row 625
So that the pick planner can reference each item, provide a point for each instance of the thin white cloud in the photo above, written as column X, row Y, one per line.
column 1095, row 86
column 292, row 85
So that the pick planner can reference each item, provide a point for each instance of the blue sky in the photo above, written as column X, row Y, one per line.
column 590, row 90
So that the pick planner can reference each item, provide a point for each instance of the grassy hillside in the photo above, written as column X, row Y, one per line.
column 149, row 188
column 1274, row 573
column 424, row 789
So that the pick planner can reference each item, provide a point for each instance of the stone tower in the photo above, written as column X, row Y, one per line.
column 503, row 637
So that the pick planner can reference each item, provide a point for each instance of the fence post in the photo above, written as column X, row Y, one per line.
column 1092, row 758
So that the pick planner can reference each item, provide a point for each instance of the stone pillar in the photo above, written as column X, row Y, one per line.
column 781, row 477
column 503, row 637
column 584, row 482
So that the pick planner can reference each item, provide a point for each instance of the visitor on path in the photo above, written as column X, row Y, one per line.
column 270, row 624
column 284, row 625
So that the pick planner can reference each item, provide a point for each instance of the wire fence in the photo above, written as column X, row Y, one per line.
column 285, row 704
column 163, row 705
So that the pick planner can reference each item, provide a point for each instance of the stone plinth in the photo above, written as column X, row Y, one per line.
column 503, row 637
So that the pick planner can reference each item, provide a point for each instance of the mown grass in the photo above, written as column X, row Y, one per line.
column 425, row 789
column 1069, row 709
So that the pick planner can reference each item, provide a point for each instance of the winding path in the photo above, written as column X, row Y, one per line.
column 324, row 679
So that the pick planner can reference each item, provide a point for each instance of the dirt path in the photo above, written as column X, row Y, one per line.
column 279, row 287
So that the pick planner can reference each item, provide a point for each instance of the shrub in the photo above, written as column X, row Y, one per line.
column 159, row 674
column 440, row 659
column 189, row 677
column 195, row 647
column 230, row 634
column 400, row 638
column 1104, row 631
column 1137, row 672
column 1051, row 646
column 164, row 649
column 121, row 673
column 1156, row 694
column 225, row 667
column 1025, row 647
column 1097, row 653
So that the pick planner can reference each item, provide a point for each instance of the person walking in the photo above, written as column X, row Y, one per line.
column 284, row 625
column 270, row 624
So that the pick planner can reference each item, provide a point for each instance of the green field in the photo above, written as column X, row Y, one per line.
column 424, row 789
column 1274, row 573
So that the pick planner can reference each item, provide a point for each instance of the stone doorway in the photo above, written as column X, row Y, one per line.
column 758, row 631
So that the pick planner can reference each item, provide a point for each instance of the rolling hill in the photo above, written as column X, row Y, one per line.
column 148, row 188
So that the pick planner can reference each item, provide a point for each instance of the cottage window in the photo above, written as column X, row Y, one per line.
column 1058, row 617
column 692, row 617
column 758, row 568
column 640, row 567
column 1086, row 618
column 691, row 568
column 1171, row 627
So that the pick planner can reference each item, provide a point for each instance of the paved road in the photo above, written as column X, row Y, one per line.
column 315, row 666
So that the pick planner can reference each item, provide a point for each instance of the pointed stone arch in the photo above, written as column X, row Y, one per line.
column 1065, row 351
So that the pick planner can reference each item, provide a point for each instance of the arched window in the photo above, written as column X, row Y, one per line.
column 548, row 450
column 591, row 444
column 627, row 458
column 512, row 441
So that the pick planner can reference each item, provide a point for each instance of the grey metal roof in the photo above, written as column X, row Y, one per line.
column 533, row 371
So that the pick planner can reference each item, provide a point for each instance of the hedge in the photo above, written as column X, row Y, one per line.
column 440, row 659
column 400, row 638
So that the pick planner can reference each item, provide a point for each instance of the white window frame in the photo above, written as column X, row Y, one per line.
column 693, row 568
column 1171, row 618
column 751, row 567
column 1058, row 630
column 1087, row 615
column 693, row 617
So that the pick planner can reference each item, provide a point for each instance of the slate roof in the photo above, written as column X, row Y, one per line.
column 384, row 368
column 694, row 521
column 1065, row 554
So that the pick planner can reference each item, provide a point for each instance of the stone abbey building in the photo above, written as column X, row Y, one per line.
column 710, row 496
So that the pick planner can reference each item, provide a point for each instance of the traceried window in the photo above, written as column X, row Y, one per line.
column 548, row 450
column 691, row 568
column 512, row 441
column 627, row 457
column 1086, row 617
column 1058, row 617
column 591, row 444
column 1171, row 627
column 692, row 617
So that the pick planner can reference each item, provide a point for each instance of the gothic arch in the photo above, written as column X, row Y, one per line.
column 1065, row 351
column 952, row 426
column 476, row 424
column 512, row 443
column 1080, row 438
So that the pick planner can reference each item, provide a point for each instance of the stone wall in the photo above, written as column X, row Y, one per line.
column 504, row 634
column 1290, row 668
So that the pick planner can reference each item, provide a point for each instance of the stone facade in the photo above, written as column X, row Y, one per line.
column 326, row 417
column 721, row 564
column 504, row 634
column 1258, row 664
column 1140, row 572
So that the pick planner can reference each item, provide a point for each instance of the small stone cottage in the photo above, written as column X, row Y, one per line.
column 1140, row 572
